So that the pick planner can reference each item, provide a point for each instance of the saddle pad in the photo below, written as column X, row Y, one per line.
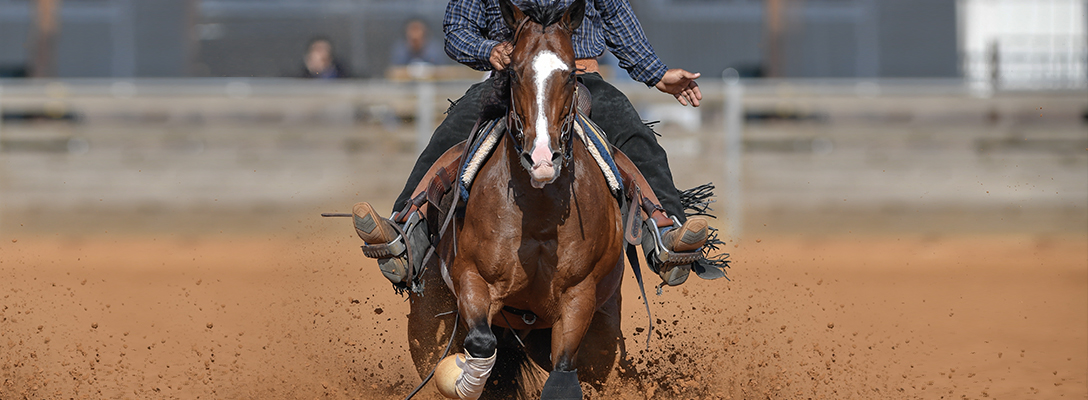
column 597, row 143
column 479, row 151
column 588, row 132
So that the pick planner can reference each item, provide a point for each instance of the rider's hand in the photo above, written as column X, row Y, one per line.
column 679, row 83
column 500, row 55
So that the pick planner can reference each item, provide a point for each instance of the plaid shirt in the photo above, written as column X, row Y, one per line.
column 474, row 27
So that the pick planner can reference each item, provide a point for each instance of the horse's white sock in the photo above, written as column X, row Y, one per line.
column 474, row 373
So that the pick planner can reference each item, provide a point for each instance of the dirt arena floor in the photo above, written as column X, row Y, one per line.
column 294, row 311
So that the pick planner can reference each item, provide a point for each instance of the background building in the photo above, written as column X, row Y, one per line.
column 785, row 38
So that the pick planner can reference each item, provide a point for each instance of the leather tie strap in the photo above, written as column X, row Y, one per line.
column 633, row 234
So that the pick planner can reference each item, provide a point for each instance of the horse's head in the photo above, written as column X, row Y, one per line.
column 542, row 82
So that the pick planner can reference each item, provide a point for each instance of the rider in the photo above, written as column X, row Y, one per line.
column 477, row 36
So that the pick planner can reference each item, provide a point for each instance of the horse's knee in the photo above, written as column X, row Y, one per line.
column 481, row 342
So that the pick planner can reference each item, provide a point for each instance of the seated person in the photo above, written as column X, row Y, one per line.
column 319, row 61
column 416, row 46
column 477, row 36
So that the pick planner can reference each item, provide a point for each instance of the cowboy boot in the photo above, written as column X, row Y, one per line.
column 400, row 257
column 383, row 242
column 690, row 236
column 682, row 244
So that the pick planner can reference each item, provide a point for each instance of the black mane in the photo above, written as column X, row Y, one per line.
column 495, row 102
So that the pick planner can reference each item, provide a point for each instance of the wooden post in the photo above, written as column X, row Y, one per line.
column 772, row 39
column 994, row 64
column 47, row 25
column 734, row 152
column 192, row 38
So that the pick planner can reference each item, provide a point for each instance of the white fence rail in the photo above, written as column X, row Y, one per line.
column 788, row 145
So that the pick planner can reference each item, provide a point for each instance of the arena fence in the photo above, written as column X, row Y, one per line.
column 767, row 144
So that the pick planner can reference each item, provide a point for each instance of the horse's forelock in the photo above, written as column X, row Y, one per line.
column 545, row 14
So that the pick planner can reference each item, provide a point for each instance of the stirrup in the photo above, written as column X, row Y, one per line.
column 673, row 267
column 398, row 260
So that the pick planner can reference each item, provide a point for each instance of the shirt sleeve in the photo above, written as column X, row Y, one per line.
column 624, row 36
column 464, row 30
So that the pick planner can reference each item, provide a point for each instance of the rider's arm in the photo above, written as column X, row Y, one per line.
column 625, row 38
column 464, row 28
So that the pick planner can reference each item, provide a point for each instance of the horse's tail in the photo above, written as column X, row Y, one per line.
column 515, row 375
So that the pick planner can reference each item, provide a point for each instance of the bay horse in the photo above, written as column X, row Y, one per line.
column 537, row 254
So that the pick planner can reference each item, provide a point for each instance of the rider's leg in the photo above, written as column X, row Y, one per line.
column 369, row 224
column 373, row 229
column 688, row 237
column 619, row 120
column 460, row 119
column 617, row 117
column 448, row 165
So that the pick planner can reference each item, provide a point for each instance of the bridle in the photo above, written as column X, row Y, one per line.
column 516, row 127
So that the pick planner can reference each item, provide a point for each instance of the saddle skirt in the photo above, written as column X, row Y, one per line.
column 492, row 131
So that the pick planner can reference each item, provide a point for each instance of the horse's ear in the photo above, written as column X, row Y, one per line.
column 574, row 15
column 511, row 14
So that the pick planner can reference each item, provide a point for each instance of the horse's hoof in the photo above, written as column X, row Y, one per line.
column 562, row 385
column 446, row 374
column 463, row 377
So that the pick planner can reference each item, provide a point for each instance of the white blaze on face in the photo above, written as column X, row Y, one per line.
column 544, row 65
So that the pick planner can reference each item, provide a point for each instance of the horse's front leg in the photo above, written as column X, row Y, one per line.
column 475, row 305
column 578, row 304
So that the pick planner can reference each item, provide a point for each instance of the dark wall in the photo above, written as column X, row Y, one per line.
column 918, row 38
column 266, row 47
column 14, row 36
column 823, row 48
column 273, row 45
column 862, row 38
column 824, row 38
column 162, row 37
column 707, row 37
column 85, row 49
column 104, row 38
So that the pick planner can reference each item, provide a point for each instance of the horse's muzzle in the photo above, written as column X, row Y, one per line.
column 542, row 170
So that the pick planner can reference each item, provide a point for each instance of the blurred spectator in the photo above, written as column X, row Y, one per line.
column 320, row 61
column 416, row 46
